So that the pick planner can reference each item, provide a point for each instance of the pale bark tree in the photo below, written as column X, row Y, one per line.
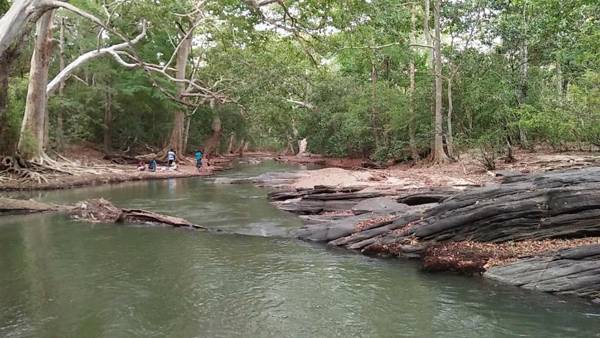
column 302, row 147
column 15, row 22
column 177, row 138
column 84, row 58
column 31, row 141
column 231, row 143
column 449, row 135
column 412, row 87
column 61, row 86
column 13, row 25
column 427, row 33
column 212, row 143
column 430, row 66
column 438, row 152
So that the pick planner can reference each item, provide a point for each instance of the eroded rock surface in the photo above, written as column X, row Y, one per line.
column 566, row 272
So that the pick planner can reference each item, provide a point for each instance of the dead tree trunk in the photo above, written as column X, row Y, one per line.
column 176, row 141
column 31, row 141
column 438, row 153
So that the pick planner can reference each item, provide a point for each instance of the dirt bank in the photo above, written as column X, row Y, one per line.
column 94, row 168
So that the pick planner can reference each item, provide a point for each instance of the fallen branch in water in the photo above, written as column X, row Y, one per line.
column 95, row 210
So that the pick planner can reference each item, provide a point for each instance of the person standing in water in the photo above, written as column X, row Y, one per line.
column 171, row 156
column 198, row 156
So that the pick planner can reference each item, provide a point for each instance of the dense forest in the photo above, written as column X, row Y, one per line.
column 379, row 79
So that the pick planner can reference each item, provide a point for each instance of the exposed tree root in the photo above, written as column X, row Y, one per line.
column 44, row 167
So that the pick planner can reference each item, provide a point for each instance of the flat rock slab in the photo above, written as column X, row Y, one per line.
column 379, row 205
column 566, row 272
column 313, row 207
column 325, row 232
column 344, row 196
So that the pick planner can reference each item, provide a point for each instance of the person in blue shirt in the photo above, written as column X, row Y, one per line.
column 171, row 156
column 198, row 156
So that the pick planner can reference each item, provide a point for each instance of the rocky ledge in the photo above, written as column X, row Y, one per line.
column 534, row 231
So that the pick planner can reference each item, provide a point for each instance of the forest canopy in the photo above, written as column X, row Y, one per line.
column 380, row 79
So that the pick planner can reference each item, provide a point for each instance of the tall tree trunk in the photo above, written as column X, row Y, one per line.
column 178, row 131
column 31, row 141
column 108, row 120
column 232, row 142
column 439, row 155
column 430, row 66
column 212, row 143
column 427, row 33
column 450, row 136
column 60, row 142
column 524, row 72
column 374, row 117
column 186, row 135
column 412, row 118
column 523, row 86
column 240, row 149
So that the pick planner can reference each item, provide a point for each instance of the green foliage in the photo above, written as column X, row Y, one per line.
column 17, row 93
column 313, row 76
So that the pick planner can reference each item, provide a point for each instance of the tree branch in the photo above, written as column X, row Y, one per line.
column 93, row 54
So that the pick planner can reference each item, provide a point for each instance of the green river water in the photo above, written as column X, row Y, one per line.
column 60, row 278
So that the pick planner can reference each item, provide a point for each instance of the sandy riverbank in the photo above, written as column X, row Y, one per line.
column 93, row 168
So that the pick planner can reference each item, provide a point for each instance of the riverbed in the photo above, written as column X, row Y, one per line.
column 245, row 277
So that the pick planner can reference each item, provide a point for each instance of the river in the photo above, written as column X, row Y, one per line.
column 61, row 278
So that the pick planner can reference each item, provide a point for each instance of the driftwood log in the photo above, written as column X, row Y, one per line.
column 95, row 210
column 9, row 206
